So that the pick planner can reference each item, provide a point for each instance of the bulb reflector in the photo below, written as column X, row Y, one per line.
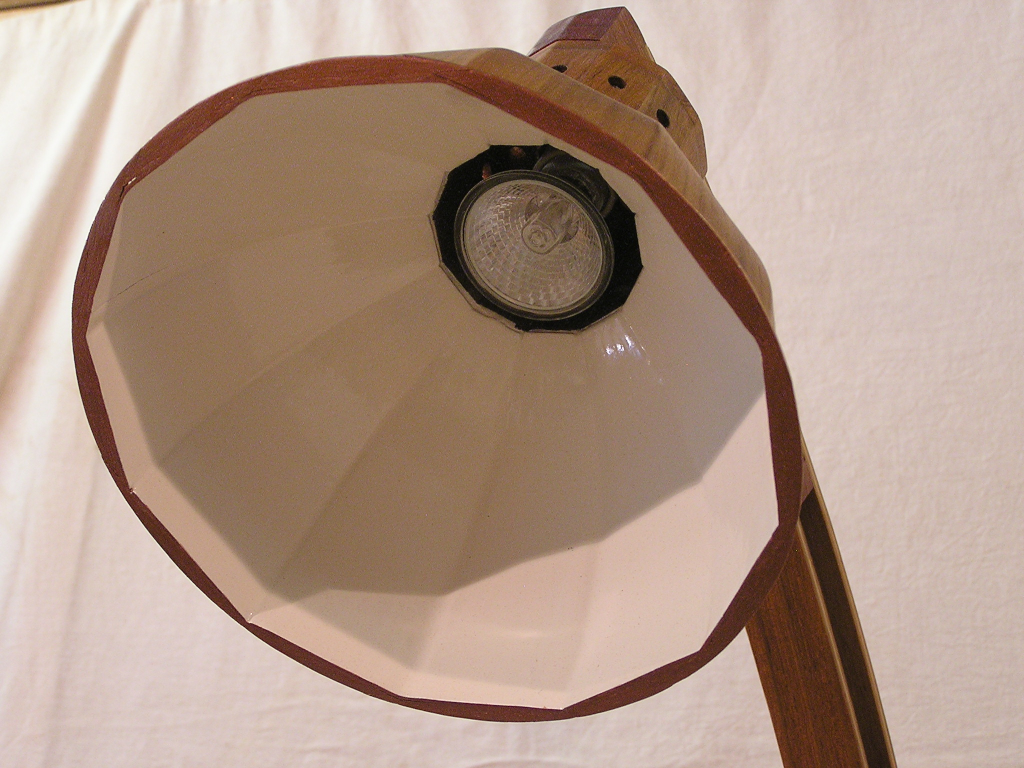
column 534, row 245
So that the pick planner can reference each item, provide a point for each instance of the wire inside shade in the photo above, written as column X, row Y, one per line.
column 534, row 245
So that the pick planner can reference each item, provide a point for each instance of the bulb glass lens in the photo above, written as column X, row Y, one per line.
column 534, row 246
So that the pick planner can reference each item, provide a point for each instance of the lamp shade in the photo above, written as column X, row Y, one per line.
column 388, row 480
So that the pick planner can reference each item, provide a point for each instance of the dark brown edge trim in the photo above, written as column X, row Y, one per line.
column 696, row 234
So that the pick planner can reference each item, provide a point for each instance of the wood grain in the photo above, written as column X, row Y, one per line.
column 812, row 658
column 606, row 51
column 800, row 671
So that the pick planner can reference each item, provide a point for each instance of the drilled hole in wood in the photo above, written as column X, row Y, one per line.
column 559, row 67
column 616, row 82
column 662, row 116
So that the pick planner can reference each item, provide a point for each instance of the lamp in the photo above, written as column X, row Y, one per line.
column 447, row 376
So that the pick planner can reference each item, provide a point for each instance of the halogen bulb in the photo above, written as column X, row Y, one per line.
column 549, row 222
column 534, row 245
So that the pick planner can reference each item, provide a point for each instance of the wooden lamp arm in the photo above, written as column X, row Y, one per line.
column 811, row 655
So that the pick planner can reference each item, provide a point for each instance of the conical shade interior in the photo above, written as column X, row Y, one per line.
column 368, row 465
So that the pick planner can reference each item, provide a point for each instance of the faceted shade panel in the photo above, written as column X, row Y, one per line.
column 371, row 468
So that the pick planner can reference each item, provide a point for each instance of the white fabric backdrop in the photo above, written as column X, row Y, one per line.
column 873, row 155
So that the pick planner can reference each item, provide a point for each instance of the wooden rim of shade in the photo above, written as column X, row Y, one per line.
column 695, row 232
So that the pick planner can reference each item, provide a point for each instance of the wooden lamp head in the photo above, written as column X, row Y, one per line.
column 370, row 471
